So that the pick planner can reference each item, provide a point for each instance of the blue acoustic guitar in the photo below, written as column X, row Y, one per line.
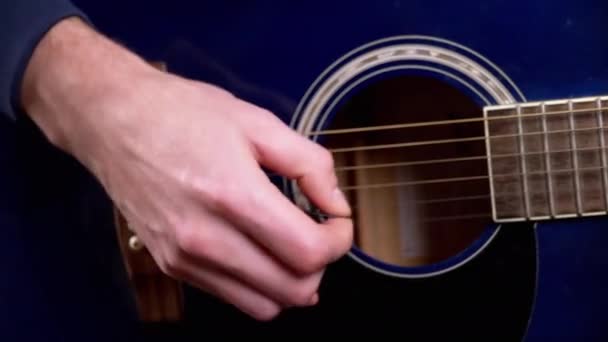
column 469, row 136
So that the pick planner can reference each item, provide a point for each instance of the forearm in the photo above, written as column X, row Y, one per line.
column 73, row 72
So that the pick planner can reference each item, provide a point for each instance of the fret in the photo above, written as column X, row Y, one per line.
column 547, row 159
column 504, row 164
column 547, row 162
column 600, row 125
column 577, row 186
column 522, row 150
column 533, row 162
column 560, row 159
column 588, row 153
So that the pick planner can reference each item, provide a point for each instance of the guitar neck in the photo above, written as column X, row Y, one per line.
column 547, row 160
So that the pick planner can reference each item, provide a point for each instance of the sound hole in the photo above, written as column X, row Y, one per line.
column 423, row 202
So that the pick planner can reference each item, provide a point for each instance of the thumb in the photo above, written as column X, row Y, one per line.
column 290, row 154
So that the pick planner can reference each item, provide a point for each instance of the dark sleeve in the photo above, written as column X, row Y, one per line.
column 22, row 24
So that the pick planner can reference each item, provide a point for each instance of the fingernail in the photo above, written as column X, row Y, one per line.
column 340, row 198
column 314, row 299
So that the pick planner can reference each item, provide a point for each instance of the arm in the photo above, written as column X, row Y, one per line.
column 22, row 24
column 181, row 159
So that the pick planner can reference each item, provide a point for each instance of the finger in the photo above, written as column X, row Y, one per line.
column 290, row 154
column 229, row 250
column 266, row 215
column 208, row 278
column 231, row 291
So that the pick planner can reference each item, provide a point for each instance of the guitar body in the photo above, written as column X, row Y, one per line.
column 313, row 63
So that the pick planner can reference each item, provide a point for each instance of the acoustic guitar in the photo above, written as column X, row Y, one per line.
column 469, row 137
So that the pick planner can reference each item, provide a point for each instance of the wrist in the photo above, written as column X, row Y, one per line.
column 72, row 75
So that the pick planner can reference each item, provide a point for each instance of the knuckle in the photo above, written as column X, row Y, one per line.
column 212, row 89
column 173, row 222
column 264, row 113
column 210, row 194
column 196, row 243
column 224, row 197
column 311, row 256
column 325, row 160
column 186, row 241
column 173, row 265
column 262, row 121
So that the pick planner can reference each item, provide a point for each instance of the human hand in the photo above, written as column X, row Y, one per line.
column 181, row 160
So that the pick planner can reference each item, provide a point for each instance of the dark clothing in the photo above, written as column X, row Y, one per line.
column 23, row 23
column 61, row 275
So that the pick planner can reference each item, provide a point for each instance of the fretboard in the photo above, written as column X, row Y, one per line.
column 547, row 160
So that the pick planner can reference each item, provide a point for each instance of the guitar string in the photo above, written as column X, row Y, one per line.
column 434, row 200
column 471, row 197
column 484, row 177
column 457, row 140
column 486, row 215
column 409, row 163
column 467, row 178
column 477, row 215
column 451, row 122
column 452, row 160
column 460, row 159
column 591, row 111
column 458, row 217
